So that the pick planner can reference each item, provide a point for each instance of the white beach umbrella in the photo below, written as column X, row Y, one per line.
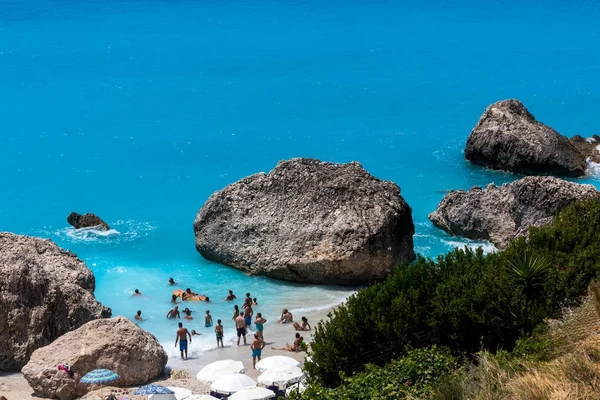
column 180, row 393
column 276, row 362
column 232, row 383
column 254, row 393
column 214, row 371
column 281, row 376
column 201, row 397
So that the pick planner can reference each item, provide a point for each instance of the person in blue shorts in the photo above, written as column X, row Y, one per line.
column 248, row 312
column 208, row 322
column 182, row 336
column 257, row 346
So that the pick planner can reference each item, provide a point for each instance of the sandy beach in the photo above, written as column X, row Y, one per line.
column 14, row 386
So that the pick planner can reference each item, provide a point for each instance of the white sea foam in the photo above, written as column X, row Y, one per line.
column 306, row 310
column 593, row 168
column 487, row 247
column 121, row 231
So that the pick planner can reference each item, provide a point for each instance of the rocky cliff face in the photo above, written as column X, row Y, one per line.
column 88, row 220
column 508, row 137
column 308, row 221
column 44, row 292
column 116, row 344
column 500, row 213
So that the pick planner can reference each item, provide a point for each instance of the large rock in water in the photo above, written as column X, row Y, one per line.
column 499, row 214
column 44, row 292
column 308, row 221
column 508, row 137
column 116, row 344
column 88, row 220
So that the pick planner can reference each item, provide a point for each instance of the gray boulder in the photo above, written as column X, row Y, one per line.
column 308, row 221
column 44, row 292
column 88, row 220
column 508, row 137
column 499, row 214
column 116, row 344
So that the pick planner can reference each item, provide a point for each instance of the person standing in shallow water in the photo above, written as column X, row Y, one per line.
column 248, row 313
column 240, row 326
column 259, row 322
column 219, row 333
column 182, row 336
column 257, row 345
column 236, row 312
column 208, row 322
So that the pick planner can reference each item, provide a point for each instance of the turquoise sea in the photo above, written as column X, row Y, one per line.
column 139, row 110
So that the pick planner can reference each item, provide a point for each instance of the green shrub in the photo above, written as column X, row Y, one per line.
column 414, row 376
column 464, row 300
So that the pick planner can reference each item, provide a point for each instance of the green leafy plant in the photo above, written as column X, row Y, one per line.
column 529, row 269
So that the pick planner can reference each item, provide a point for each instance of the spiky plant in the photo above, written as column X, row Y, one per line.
column 529, row 269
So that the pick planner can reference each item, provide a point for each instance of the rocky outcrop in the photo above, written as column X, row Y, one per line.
column 88, row 220
column 499, row 214
column 588, row 147
column 508, row 137
column 44, row 292
column 308, row 221
column 116, row 344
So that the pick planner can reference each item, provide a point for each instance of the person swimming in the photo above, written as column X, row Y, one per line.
column 230, row 296
column 188, row 293
column 138, row 316
column 136, row 292
column 173, row 313
column 172, row 282
column 194, row 333
column 188, row 314
column 174, row 299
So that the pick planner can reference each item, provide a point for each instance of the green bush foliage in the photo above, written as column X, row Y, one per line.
column 411, row 377
column 465, row 300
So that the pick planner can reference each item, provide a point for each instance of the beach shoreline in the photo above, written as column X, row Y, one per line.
column 14, row 386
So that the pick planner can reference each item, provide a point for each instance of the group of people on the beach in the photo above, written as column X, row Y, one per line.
column 242, row 319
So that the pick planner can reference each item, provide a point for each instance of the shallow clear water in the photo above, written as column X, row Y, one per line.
column 138, row 111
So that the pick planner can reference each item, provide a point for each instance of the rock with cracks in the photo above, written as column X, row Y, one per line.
column 508, row 137
column 116, row 344
column 44, row 293
column 499, row 214
column 308, row 221
column 88, row 220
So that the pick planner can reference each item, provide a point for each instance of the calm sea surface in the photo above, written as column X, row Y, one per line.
column 138, row 111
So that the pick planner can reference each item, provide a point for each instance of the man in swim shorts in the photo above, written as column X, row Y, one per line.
column 248, row 312
column 240, row 325
column 208, row 319
column 257, row 346
column 182, row 336
column 219, row 333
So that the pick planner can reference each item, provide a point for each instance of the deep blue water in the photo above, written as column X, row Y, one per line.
column 138, row 111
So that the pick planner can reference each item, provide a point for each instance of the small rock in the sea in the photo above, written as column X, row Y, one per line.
column 308, row 221
column 88, row 220
column 500, row 213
